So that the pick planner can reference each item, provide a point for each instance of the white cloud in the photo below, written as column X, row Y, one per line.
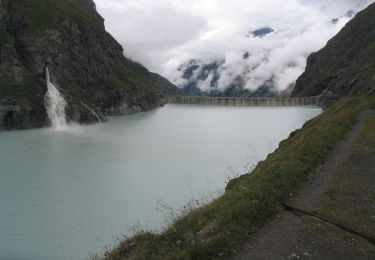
column 163, row 34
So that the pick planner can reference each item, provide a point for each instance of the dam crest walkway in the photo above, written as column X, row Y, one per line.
column 242, row 101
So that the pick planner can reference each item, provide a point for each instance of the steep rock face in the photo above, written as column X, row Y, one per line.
column 346, row 66
column 86, row 63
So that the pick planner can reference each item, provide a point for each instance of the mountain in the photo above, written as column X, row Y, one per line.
column 261, row 32
column 346, row 66
column 201, row 78
column 86, row 63
column 222, row 77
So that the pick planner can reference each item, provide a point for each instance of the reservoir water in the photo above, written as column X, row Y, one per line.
column 67, row 194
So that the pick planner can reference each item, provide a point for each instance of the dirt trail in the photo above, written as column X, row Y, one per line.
column 289, row 236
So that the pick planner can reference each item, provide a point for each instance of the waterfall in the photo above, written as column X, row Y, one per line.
column 92, row 112
column 55, row 104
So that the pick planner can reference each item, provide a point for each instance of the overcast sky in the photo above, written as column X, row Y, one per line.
column 163, row 34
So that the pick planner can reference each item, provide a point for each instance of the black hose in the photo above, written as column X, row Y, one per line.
column 350, row 230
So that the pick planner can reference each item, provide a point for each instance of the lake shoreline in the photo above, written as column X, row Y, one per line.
column 216, row 230
column 102, row 179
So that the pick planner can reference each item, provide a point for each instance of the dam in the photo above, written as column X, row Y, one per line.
column 241, row 101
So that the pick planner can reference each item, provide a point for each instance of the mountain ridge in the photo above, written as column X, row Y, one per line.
column 85, row 61
column 346, row 65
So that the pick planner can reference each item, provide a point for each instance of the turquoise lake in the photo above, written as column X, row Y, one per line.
column 69, row 194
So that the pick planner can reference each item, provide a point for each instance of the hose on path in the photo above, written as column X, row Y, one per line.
column 347, row 229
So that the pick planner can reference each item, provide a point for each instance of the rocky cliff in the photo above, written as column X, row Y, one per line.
column 86, row 63
column 346, row 66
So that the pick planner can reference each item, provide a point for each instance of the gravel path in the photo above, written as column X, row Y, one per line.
column 289, row 236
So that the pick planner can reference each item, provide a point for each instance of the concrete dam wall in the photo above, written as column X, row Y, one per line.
column 242, row 101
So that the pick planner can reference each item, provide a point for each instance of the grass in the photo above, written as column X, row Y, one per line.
column 215, row 230
column 349, row 200
column 351, row 193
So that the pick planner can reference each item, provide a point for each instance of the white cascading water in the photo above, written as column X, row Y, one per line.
column 55, row 104
column 98, row 120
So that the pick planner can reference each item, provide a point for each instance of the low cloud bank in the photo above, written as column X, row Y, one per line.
column 259, row 42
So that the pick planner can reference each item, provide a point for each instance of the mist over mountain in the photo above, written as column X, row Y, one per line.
column 240, row 48
column 346, row 65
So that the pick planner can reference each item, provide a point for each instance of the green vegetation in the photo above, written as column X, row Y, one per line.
column 23, row 92
column 249, row 201
column 5, row 37
column 134, row 80
column 349, row 200
column 47, row 13
column 351, row 194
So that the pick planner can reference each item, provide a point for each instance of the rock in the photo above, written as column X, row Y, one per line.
column 261, row 32
column 86, row 63
column 346, row 66
column 206, row 233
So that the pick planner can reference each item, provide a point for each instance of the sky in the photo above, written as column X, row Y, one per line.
column 165, row 34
